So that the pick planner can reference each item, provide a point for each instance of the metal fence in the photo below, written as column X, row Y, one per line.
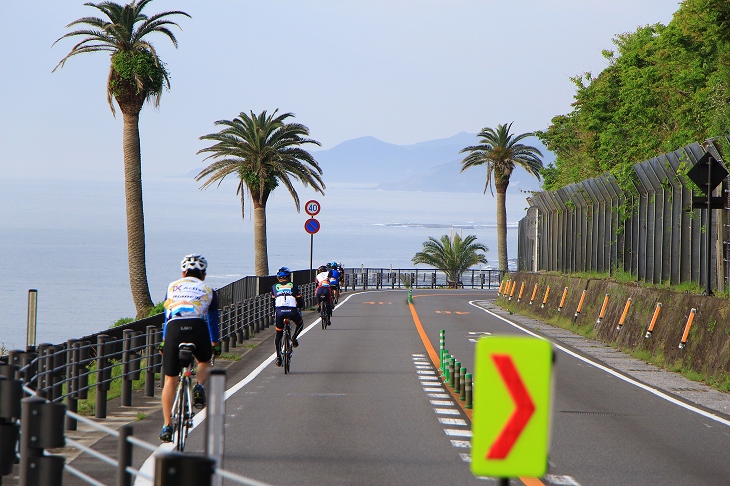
column 653, row 231
column 400, row 278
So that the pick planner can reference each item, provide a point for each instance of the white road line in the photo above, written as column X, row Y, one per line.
column 452, row 421
column 618, row 375
column 461, row 444
column 433, row 389
column 446, row 411
column 465, row 457
column 458, row 432
column 438, row 395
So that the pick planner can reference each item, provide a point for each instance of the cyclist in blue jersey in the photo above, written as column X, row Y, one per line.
column 191, row 316
column 287, row 301
column 335, row 280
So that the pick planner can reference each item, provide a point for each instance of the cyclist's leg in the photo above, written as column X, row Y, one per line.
column 170, row 368
column 296, row 317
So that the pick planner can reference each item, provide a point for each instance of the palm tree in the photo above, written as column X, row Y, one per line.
column 262, row 151
column 451, row 255
column 136, row 74
column 500, row 151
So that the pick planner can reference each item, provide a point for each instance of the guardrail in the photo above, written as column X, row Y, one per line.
column 395, row 278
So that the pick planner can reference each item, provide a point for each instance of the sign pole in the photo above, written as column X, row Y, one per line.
column 311, row 252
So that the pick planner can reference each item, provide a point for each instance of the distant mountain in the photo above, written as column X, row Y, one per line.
column 426, row 166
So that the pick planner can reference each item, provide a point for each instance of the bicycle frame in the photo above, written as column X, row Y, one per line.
column 286, row 346
column 182, row 408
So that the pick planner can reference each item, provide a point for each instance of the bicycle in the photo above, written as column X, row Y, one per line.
column 286, row 346
column 325, row 313
column 182, row 407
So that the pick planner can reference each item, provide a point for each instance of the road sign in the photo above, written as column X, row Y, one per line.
column 511, row 414
column 707, row 172
column 311, row 226
column 312, row 207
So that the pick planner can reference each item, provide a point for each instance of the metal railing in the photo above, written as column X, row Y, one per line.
column 399, row 278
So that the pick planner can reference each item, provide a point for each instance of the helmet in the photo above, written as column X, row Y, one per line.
column 329, row 265
column 194, row 261
column 283, row 272
column 335, row 264
column 321, row 269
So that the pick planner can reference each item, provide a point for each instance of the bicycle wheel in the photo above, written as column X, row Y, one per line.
column 323, row 316
column 180, row 422
column 287, row 352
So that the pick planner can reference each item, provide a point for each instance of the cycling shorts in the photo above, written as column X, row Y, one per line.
column 323, row 293
column 185, row 331
column 292, row 313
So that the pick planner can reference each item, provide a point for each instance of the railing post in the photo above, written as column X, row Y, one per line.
column 41, row 376
column 177, row 469
column 150, row 352
column 72, row 381
column 216, row 420
column 124, row 478
column 126, row 356
column 11, row 393
column 83, row 373
column 41, row 428
column 102, row 374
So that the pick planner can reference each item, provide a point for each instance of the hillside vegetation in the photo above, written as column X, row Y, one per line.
column 665, row 87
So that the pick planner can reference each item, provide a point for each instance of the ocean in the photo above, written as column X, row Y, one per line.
column 67, row 240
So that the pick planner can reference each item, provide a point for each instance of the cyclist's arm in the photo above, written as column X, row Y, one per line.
column 214, row 319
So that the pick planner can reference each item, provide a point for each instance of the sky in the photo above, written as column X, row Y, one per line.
column 402, row 71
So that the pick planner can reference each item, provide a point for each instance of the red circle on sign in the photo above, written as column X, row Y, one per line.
column 311, row 226
column 312, row 207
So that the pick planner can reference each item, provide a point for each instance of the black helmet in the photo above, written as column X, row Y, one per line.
column 321, row 269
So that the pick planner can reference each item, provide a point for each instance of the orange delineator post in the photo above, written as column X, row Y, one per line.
column 534, row 293
column 562, row 300
column 512, row 291
column 580, row 305
column 501, row 284
column 547, row 292
column 653, row 320
column 603, row 310
column 687, row 327
column 623, row 316
column 522, row 290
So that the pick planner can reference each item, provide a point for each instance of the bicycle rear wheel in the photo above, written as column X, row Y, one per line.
column 287, row 352
column 181, row 422
column 323, row 316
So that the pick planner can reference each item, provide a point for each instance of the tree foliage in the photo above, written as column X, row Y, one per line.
column 451, row 255
column 664, row 87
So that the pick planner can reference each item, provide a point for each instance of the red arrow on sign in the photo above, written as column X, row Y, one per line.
column 525, row 407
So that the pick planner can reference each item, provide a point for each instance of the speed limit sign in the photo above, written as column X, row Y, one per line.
column 312, row 207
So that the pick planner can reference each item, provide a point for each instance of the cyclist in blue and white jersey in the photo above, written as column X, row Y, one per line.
column 323, row 291
column 335, row 280
column 191, row 316
column 287, row 301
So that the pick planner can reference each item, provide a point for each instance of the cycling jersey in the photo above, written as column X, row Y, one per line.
column 190, row 298
column 334, row 276
column 285, row 294
column 323, row 279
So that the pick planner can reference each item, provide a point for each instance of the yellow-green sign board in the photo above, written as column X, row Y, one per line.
column 511, row 414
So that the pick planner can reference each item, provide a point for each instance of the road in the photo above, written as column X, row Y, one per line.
column 360, row 407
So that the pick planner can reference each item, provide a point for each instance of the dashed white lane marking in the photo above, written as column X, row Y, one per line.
column 462, row 444
column 447, row 411
column 458, row 432
column 451, row 421
column 441, row 403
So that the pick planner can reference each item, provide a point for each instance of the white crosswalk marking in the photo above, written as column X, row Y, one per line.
column 452, row 421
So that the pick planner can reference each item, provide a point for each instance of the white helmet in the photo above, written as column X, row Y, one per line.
column 194, row 261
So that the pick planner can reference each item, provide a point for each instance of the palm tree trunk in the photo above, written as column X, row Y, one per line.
column 259, row 240
column 135, row 216
column 502, row 230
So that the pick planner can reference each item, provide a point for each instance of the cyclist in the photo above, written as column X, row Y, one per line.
column 287, row 301
column 335, row 280
column 323, row 292
column 191, row 316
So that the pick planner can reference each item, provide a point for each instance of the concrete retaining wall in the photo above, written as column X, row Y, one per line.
column 707, row 348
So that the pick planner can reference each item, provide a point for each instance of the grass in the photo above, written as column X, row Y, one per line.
column 88, row 405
